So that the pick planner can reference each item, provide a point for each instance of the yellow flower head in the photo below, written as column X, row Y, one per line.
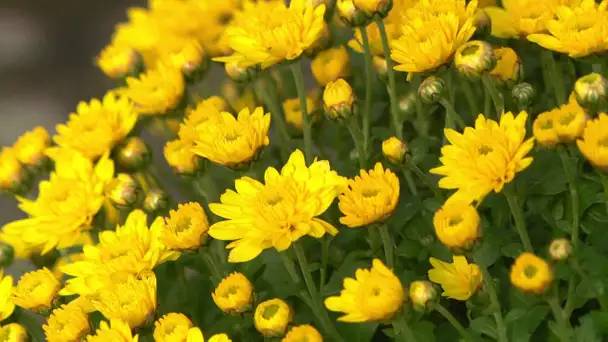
column 185, row 228
column 459, row 280
column 560, row 249
column 544, row 128
column 97, row 126
column 279, row 212
column 36, row 290
column 570, row 122
column 172, row 327
column 457, row 225
column 484, row 158
column 375, row 294
column 394, row 150
column 338, row 99
column 11, row 170
column 474, row 58
column 530, row 273
column 591, row 91
column 370, row 197
column 67, row 323
column 186, row 55
column 578, row 31
column 129, row 298
column 509, row 68
column 234, row 141
column 65, row 260
column 14, row 332
column 157, row 91
column 301, row 333
column 594, row 142
column 520, row 18
column 267, row 34
column 331, row 64
column 234, row 294
column 180, row 157
column 217, row 338
column 293, row 113
column 133, row 248
column 6, row 302
column 117, row 60
column 272, row 317
column 204, row 114
column 116, row 331
column 31, row 146
column 422, row 293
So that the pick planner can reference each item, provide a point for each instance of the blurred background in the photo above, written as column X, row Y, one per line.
column 46, row 64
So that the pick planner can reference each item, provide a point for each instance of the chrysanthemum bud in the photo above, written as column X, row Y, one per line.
column 234, row 294
column 457, row 225
column 133, row 154
column 338, row 100
column 180, row 157
column 394, row 150
column 422, row 294
column 185, row 55
column 523, row 94
column 30, row 147
column 509, row 68
column 591, row 91
column 474, row 58
column 331, row 64
column 156, row 200
column 407, row 104
column 303, row 333
column 431, row 89
column 373, row 7
column 238, row 73
column 7, row 254
column 560, row 249
column 122, row 190
column 530, row 273
column 272, row 318
column 483, row 24
column 381, row 67
column 13, row 176
column 14, row 332
column 118, row 60
column 351, row 15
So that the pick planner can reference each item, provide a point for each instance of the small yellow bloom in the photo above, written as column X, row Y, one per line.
column 457, row 225
column 180, row 157
column 594, row 142
column 117, row 60
column 157, row 91
column 36, row 290
column 570, row 122
column 560, row 249
column 394, row 150
column 304, row 332
column 370, row 197
column 97, row 126
column 172, row 327
column 422, row 294
column 351, row 15
column 293, row 113
column 11, row 170
column 30, row 147
column 338, row 99
column 185, row 228
column 129, row 298
column 122, row 190
column 371, row 7
column 67, row 323
column 544, row 128
column 474, row 58
column 484, row 158
column 331, row 64
column 234, row 141
column 186, row 55
column 116, row 331
column 459, row 280
column 578, row 31
column 375, row 294
column 509, row 68
column 591, row 91
column 522, row 17
column 530, row 273
column 234, row 294
column 272, row 317
column 217, row 338
column 14, row 332
column 6, row 302
column 204, row 114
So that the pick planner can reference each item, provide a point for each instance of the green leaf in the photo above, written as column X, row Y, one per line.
column 485, row 325
column 586, row 332
column 408, row 248
column 360, row 332
column 565, row 226
column 514, row 315
column 424, row 331
column 521, row 327
column 512, row 250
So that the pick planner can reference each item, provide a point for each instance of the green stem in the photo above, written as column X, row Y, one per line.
column 290, row 267
column 497, row 98
column 604, row 181
column 555, row 77
column 407, row 174
column 206, row 187
column 387, row 241
column 448, row 315
column 296, row 70
column 367, row 55
column 562, row 324
column 324, row 260
column 470, row 96
column 426, row 180
column 216, row 276
column 355, row 133
column 518, row 216
column 489, row 286
column 31, row 325
column 451, row 114
column 573, row 196
column 276, row 114
column 392, row 85
column 487, row 103
column 402, row 330
column 569, row 307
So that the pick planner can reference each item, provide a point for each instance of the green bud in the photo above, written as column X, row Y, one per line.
column 483, row 24
column 591, row 92
column 523, row 94
column 7, row 254
column 156, row 201
column 133, row 154
column 431, row 89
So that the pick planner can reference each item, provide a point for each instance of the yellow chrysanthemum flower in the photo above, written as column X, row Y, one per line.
column 570, row 121
column 370, row 197
column 272, row 317
column 331, row 64
column 65, row 260
column 275, row 34
column 117, row 60
column 36, row 290
column 530, row 273
column 338, row 99
column 484, row 158
column 293, row 113
column 459, row 280
column 394, row 150
column 197, row 120
column 172, row 327
column 11, row 170
column 31, row 146
column 22, row 249
column 129, row 298
column 578, row 31
column 180, row 157
column 375, row 294
column 508, row 67
column 157, row 91
column 217, row 338
column 279, row 212
column 185, row 228
column 186, row 55
column 97, row 126
column 593, row 144
column 304, row 332
column 234, row 294
column 116, row 331
column 7, row 306
column 67, row 323
column 14, row 332
column 519, row 18
column 544, row 128
column 457, row 225
column 133, row 248
column 234, row 141
column 66, row 203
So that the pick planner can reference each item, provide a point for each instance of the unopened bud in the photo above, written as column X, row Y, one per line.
column 119, row 60
column 591, row 92
column 351, row 15
column 156, row 201
column 422, row 295
column 14, row 178
column 483, row 24
column 431, row 89
column 509, row 68
column 407, row 104
column 30, row 147
column 180, row 157
column 394, row 150
column 374, row 7
column 133, row 154
column 381, row 67
column 338, row 100
column 187, row 56
column 14, row 332
column 122, row 190
column 239, row 74
column 474, row 58
column 523, row 94
column 7, row 254
column 560, row 249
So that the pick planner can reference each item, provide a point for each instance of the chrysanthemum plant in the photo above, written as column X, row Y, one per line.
column 455, row 188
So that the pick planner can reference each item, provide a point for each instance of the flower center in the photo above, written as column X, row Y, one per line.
column 232, row 136
column 270, row 311
column 566, row 119
column 530, row 271
column 470, row 50
column 455, row 220
column 548, row 124
column 376, row 291
column 370, row 192
column 603, row 142
column 231, row 291
column 182, row 224
column 484, row 150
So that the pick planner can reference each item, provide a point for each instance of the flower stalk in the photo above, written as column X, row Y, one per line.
column 454, row 322
column 367, row 112
column 518, row 216
column 489, row 286
column 387, row 241
column 296, row 70
column 563, row 155
column 495, row 94
column 392, row 85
